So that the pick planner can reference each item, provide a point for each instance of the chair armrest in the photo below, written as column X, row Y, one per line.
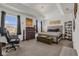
column 14, row 37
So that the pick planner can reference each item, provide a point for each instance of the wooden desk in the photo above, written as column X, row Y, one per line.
column 0, row 49
column 2, row 44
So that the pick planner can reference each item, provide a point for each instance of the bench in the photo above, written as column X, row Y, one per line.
column 45, row 39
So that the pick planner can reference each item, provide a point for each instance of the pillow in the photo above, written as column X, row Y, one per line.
column 53, row 30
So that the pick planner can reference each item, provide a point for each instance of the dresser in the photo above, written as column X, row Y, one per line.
column 30, row 33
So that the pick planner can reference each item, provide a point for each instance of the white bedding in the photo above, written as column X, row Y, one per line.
column 53, row 34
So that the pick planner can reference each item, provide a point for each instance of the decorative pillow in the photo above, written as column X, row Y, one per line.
column 53, row 30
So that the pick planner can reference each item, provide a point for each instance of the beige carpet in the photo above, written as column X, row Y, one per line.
column 34, row 48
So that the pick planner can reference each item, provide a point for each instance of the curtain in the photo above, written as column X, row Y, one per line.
column 18, row 25
column 41, row 26
column 75, row 9
column 36, row 26
column 75, row 14
column 3, row 14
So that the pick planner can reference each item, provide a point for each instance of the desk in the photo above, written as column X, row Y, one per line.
column 0, row 49
column 2, row 40
column 2, row 44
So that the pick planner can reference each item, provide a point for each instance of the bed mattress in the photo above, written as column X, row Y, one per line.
column 53, row 34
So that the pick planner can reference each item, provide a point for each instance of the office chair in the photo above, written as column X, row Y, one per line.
column 13, row 40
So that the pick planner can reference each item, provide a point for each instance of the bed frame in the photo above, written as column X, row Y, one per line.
column 57, row 28
column 53, row 29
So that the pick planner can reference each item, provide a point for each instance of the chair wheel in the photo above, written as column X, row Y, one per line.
column 18, row 46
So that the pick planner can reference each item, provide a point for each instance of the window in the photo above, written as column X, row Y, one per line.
column 11, row 24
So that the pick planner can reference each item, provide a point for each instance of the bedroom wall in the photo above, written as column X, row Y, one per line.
column 76, row 33
column 46, row 22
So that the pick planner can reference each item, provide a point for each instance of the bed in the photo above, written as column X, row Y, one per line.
column 54, row 32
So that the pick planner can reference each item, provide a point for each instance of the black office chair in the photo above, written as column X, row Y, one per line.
column 13, row 40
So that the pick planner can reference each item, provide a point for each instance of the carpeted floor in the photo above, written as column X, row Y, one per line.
column 34, row 48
